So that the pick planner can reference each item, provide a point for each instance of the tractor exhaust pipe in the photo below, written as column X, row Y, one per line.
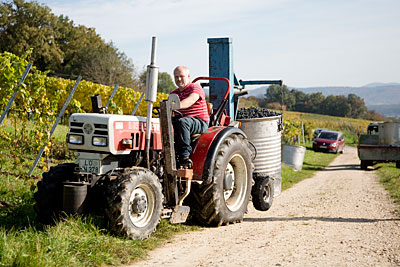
column 96, row 104
column 151, row 95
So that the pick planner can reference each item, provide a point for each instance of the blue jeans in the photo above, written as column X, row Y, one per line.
column 183, row 129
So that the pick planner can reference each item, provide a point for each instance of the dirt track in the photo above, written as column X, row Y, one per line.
column 340, row 217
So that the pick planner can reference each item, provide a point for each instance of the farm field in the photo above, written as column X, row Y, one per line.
column 350, row 127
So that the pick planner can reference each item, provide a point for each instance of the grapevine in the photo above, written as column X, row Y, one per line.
column 39, row 101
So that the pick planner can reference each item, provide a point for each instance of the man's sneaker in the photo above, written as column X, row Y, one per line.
column 185, row 163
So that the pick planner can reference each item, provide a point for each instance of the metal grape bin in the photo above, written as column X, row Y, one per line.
column 263, row 130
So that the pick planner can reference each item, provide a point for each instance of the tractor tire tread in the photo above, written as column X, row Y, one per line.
column 118, row 198
column 208, row 198
column 48, row 197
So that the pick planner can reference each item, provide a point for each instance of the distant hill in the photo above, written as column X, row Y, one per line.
column 380, row 84
column 374, row 94
column 387, row 110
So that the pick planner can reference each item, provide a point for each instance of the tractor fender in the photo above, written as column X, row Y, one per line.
column 206, row 149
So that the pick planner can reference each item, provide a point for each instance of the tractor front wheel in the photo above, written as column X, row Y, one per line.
column 225, row 200
column 49, row 194
column 135, row 203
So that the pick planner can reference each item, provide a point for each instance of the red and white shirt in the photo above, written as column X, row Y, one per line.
column 199, row 108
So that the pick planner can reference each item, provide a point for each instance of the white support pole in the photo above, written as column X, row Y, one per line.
column 56, row 123
column 14, row 94
column 111, row 96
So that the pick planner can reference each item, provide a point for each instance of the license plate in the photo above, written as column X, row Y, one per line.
column 322, row 146
column 89, row 165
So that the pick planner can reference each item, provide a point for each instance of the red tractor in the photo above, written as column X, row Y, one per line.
column 126, row 168
column 113, row 175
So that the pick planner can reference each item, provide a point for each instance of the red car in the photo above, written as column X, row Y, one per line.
column 329, row 141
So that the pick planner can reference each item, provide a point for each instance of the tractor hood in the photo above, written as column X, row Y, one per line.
column 109, row 133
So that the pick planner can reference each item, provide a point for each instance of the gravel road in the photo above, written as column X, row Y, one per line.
column 340, row 217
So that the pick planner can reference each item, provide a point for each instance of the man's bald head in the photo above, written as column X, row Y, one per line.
column 181, row 76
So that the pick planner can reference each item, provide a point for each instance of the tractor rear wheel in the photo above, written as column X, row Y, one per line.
column 225, row 200
column 49, row 194
column 134, row 203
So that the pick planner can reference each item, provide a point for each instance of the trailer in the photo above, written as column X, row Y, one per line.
column 380, row 144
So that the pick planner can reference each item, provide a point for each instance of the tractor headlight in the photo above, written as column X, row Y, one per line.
column 99, row 141
column 75, row 139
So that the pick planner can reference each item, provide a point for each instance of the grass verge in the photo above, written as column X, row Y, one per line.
column 80, row 241
column 350, row 139
column 73, row 241
column 389, row 176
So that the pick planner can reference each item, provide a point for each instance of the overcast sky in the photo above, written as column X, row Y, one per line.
column 304, row 43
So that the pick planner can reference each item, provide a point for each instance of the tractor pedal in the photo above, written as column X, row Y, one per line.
column 185, row 173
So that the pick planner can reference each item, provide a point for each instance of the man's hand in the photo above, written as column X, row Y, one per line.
column 189, row 101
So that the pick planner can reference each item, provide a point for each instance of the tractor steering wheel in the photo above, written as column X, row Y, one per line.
column 176, row 114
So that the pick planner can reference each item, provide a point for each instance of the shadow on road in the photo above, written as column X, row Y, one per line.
column 314, row 167
column 342, row 167
column 346, row 167
column 323, row 219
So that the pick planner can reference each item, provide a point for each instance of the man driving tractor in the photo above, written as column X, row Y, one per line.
column 194, row 112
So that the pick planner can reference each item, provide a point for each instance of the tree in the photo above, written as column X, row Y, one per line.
column 279, row 94
column 107, row 67
column 59, row 46
column 29, row 25
column 164, row 85
column 300, row 100
column 357, row 106
column 273, row 94
column 335, row 106
column 374, row 116
column 342, row 106
column 314, row 102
